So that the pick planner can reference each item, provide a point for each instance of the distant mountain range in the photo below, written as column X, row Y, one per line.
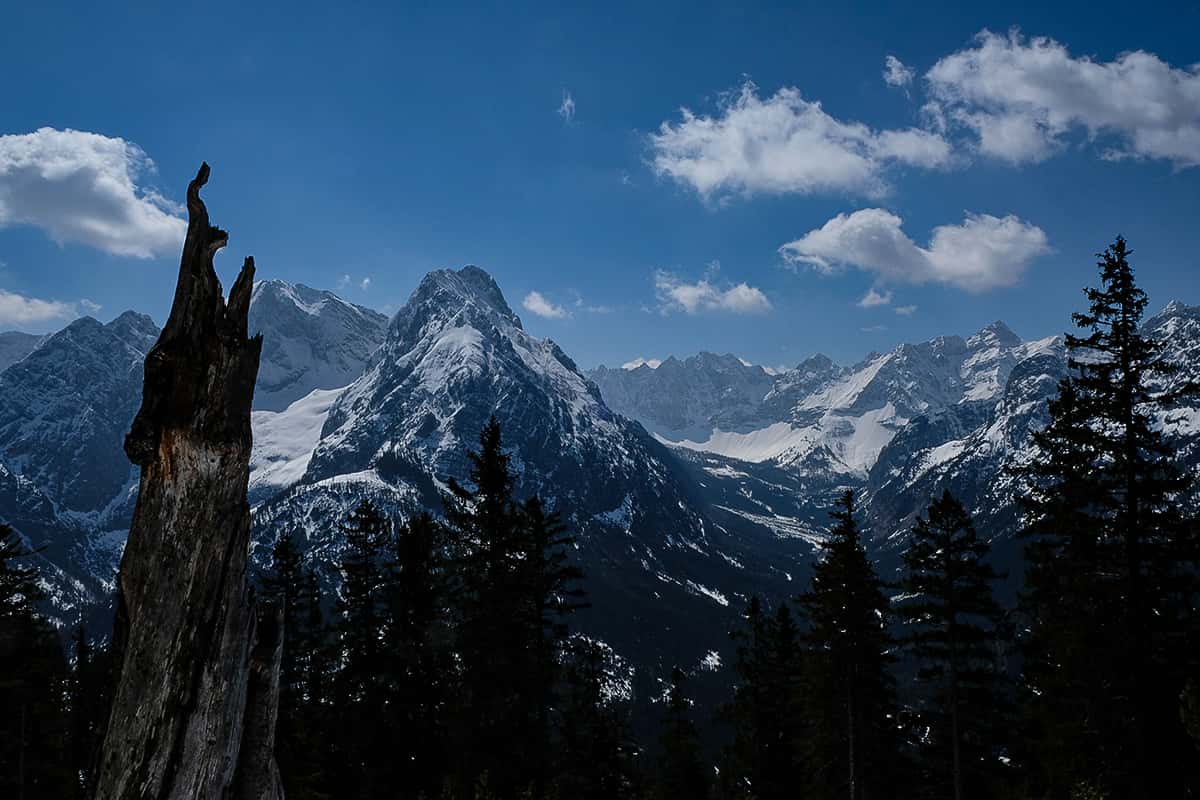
column 690, row 485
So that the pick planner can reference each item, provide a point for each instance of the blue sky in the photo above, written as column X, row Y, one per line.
column 356, row 148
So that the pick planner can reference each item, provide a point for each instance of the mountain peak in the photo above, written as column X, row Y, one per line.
column 469, row 283
column 996, row 333
column 451, row 298
column 312, row 339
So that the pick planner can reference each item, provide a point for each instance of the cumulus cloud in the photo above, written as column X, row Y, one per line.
column 982, row 253
column 17, row 309
column 675, row 294
column 566, row 109
column 785, row 144
column 652, row 363
column 537, row 303
column 364, row 284
column 895, row 73
column 874, row 298
column 1022, row 97
column 83, row 187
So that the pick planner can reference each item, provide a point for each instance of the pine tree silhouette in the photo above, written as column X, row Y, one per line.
column 1112, row 560
column 953, row 627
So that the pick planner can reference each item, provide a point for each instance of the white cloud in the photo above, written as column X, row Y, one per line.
column 566, row 109
column 874, row 298
column 906, row 311
column 1022, row 97
column 364, row 284
column 17, row 309
column 786, row 144
column 873, row 328
column 538, row 304
column 343, row 281
column 652, row 363
column 674, row 294
column 982, row 253
column 82, row 187
column 895, row 73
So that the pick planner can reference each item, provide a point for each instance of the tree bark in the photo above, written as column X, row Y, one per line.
column 194, row 707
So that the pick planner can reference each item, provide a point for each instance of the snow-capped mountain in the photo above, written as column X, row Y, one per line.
column 819, row 417
column 67, row 400
column 65, row 483
column 947, row 413
column 690, row 485
column 312, row 339
column 665, row 575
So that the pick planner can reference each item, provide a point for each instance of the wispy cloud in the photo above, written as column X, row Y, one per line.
column 18, row 309
column 84, row 188
column 784, row 144
column 896, row 74
column 566, row 109
column 676, row 294
column 906, row 311
column 1022, row 97
column 874, row 298
column 982, row 253
column 535, row 302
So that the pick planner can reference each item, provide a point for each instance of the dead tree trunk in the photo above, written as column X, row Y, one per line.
column 193, row 715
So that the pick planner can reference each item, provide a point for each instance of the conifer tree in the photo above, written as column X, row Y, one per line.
column 595, row 754
column 682, row 771
column 552, row 594
column 1112, row 554
column 953, row 626
column 420, row 664
column 855, row 753
column 283, row 585
column 764, row 759
column 359, row 689
column 497, row 729
column 302, row 715
column 35, row 761
column 89, row 691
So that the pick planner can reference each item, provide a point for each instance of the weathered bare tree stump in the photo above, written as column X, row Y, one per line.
column 194, row 709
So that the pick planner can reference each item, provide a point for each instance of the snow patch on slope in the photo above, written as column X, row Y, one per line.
column 284, row 440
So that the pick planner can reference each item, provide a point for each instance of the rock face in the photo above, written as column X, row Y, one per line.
column 193, row 712
column 312, row 339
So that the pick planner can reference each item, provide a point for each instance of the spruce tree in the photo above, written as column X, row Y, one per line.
column 764, row 759
column 855, row 751
column 552, row 594
column 1104, row 514
column 682, row 771
column 595, row 753
column 496, row 728
column 420, row 664
column 35, row 761
column 359, row 689
column 302, row 716
column 283, row 585
column 89, row 694
column 953, row 626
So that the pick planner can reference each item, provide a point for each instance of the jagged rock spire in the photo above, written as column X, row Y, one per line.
column 194, row 709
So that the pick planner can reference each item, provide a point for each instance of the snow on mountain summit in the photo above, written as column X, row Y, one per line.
column 817, row 417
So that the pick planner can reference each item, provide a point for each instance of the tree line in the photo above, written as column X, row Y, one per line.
column 445, row 664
